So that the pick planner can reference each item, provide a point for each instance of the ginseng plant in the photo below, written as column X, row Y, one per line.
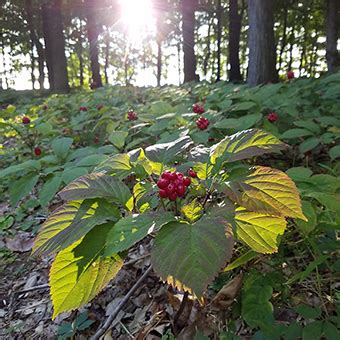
column 196, row 213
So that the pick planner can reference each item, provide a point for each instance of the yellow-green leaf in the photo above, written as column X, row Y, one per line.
column 272, row 192
column 245, row 144
column 80, row 272
column 193, row 210
column 261, row 232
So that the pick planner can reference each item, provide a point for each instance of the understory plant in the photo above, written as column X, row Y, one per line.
column 194, row 227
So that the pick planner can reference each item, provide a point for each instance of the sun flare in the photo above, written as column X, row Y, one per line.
column 138, row 17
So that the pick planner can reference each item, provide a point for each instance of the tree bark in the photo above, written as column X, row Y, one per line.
column 235, row 20
column 188, row 30
column 35, row 42
column 284, row 35
column 55, row 46
column 219, row 38
column 262, row 53
column 208, row 52
column 332, row 35
column 107, row 56
column 92, row 34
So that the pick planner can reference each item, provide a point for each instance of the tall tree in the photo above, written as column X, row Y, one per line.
column 188, row 8
column 235, row 20
column 332, row 35
column 55, row 46
column 92, row 34
column 219, row 11
column 262, row 52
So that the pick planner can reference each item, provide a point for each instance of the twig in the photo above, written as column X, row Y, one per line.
column 102, row 330
column 46, row 286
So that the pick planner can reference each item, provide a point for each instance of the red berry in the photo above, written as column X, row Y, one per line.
column 83, row 108
column 179, row 175
column 181, row 190
column 163, row 193
column 166, row 175
column 186, row 181
column 37, row 151
column 132, row 115
column 162, row 183
column 192, row 173
column 171, row 188
column 202, row 123
column 173, row 176
column 173, row 196
column 198, row 108
column 26, row 120
column 272, row 117
column 45, row 107
column 290, row 75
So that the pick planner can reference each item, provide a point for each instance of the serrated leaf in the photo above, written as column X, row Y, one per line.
column 97, row 185
column 129, row 230
column 245, row 144
column 203, row 170
column 49, row 189
column 270, row 191
column 166, row 153
column 80, row 272
column 118, row 165
column 192, row 211
column 189, row 256
column 61, row 146
column 22, row 188
column 71, row 222
column 117, row 138
column 260, row 232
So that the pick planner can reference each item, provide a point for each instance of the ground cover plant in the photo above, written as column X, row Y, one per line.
column 235, row 190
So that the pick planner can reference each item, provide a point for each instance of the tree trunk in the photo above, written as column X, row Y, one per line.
column 235, row 20
column 159, row 62
column 332, row 35
column 32, row 66
column 219, row 38
column 55, row 46
column 35, row 42
column 284, row 36
column 188, row 30
column 208, row 52
column 92, row 34
column 262, row 54
column 107, row 56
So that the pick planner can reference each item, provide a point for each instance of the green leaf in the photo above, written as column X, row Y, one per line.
column 331, row 202
column 299, row 173
column 49, row 189
column 334, row 152
column 245, row 144
column 22, row 188
column 166, row 153
column 309, row 144
column 117, row 138
column 61, row 146
column 330, row 331
column 296, row 133
column 116, row 165
column 70, row 174
column 71, row 222
column 189, row 256
column 28, row 166
column 270, row 191
column 193, row 211
column 129, row 230
column 308, row 312
column 259, row 231
column 241, row 260
column 307, row 226
column 312, row 331
column 203, row 170
column 80, row 271
column 92, row 160
column 309, row 125
column 97, row 185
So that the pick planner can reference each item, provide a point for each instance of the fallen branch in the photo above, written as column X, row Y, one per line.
column 102, row 330
column 45, row 286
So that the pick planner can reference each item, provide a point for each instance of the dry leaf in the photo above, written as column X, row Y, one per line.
column 21, row 243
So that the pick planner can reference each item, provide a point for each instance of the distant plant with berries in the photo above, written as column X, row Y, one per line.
column 26, row 120
column 290, row 75
column 272, row 117
column 173, row 185
column 132, row 115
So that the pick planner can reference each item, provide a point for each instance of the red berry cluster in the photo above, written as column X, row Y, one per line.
column 26, row 120
column 132, row 115
column 272, row 117
column 172, row 185
column 198, row 108
column 83, row 108
column 202, row 123
column 290, row 75
column 37, row 151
